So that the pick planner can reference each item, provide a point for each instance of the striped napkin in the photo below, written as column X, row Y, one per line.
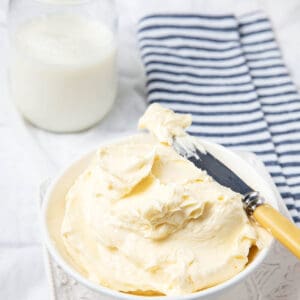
column 229, row 74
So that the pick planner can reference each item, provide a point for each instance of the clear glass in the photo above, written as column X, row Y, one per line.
column 62, row 64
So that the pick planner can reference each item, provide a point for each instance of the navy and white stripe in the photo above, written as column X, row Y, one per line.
column 229, row 74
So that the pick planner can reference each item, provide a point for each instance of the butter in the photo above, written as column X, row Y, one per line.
column 163, row 123
column 142, row 219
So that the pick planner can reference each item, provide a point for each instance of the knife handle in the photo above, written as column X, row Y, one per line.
column 279, row 226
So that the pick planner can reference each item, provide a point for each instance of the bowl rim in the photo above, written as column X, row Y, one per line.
column 214, row 290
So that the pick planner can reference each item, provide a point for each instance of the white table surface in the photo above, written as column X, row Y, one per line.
column 29, row 155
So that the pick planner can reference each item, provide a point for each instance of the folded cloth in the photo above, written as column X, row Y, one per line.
column 229, row 74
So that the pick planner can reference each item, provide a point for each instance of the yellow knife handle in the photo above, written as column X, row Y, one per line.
column 279, row 226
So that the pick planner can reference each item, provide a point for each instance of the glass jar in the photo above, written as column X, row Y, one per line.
column 63, row 61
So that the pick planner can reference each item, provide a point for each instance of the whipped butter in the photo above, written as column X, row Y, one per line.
column 142, row 219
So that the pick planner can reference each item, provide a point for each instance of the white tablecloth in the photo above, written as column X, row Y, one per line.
column 29, row 155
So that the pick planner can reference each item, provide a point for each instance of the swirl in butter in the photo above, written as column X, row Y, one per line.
column 142, row 219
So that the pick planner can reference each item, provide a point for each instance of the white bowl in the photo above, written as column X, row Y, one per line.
column 53, row 209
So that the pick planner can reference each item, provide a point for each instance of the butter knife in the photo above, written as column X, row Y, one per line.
column 284, row 230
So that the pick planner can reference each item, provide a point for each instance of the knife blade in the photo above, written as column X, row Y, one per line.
column 214, row 167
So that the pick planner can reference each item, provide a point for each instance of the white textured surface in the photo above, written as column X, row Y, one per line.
column 29, row 155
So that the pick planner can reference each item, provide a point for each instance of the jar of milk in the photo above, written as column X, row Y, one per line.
column 63, row 61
